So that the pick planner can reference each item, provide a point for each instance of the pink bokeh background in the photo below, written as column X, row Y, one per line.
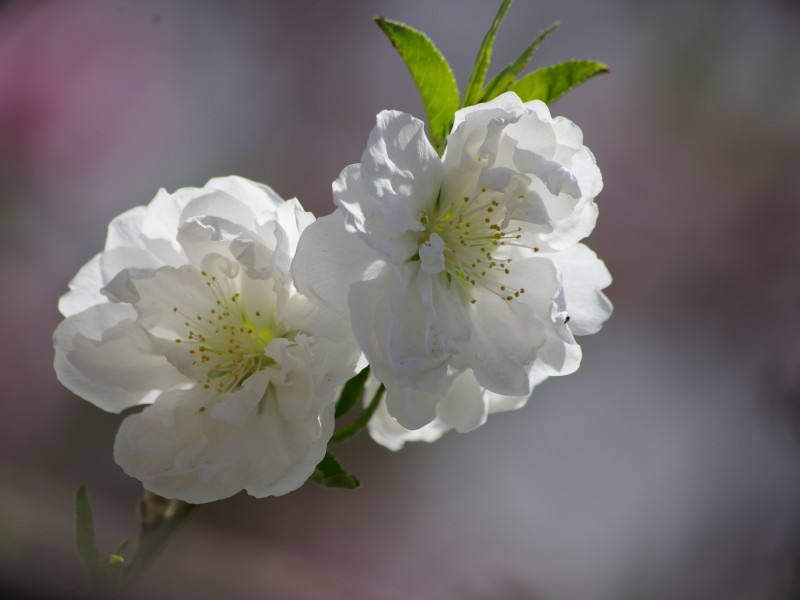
column 667, row 467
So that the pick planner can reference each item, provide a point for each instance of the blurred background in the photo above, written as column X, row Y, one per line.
column 668, row 467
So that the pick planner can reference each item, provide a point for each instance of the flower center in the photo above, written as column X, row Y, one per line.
column 477, row 238
column 226, row 340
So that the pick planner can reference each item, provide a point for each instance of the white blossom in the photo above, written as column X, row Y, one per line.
column 462, row 276
column 191, row 310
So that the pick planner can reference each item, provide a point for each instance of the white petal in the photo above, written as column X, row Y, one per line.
column 223, row 206
column 261, row 199
column 235, row 407
column 558, row 179
column 560, row 354
column 505, row 338
column 583, row 276
column 506, row 104
column 120, row 258
column 159, row 292
column 386, row 431
column 293, row 220
column 447, row 328
column 127, row 236
column 289, row 454
column 329, row 260
column 126, row 229
column 431, row 254
column 177, row 449
column 569, row 231
column 363, row 214
column 401, row 169
column 204, row 235
column 295, row 395
column 84, row 289
column 509, row 335
column 109, row 360
column 412, row 408
column 162, row 218
column 390, row 323
column 463, row 407
column 497, row 403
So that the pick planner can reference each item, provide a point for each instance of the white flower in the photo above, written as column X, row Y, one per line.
column 463, row 276
column 191, row 310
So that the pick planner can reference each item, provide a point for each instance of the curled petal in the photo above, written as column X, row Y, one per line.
column 108, row 359
column 584, row 276
column 400, row 169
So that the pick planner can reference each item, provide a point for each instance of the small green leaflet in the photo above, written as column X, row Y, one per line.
column 432, row 74
column 357, row 424
column 473, row 92
column 550, row 83
column 114, row 563
column 351, row 393
column 503, row 80
column 331, row 474
column 84, row 533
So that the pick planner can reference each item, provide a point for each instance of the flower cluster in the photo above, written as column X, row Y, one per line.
column 191, row 310
column 462, row 276
column 236, row 318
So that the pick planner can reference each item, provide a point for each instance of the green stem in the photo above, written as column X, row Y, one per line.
column 357, row 424
column 152, row 540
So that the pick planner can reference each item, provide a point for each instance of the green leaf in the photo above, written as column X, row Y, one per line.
column 550, row 83
column 331, row 474
column 114, row 564
column 357, row 424
column 118, row 556
column 503, row 80
column 120, row 549
column 84, row 533
column 113, row 560
column 431, row 72
column 351, row 393
column 475, row 84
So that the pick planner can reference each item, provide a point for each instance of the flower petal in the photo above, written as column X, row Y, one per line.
column 412, row 408
column 259, row 198
column 463, row 407
column 302, row 449
column 364, row 216
column 386, row 431
column 583, row 276
column 401, row 169
column 177, row 449
column 390, row 324
column 505, row 339
column 109, row 360
column 329, row 259
column 84, row 289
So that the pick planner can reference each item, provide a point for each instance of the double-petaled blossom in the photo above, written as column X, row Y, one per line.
column 462, row 276
column 191, row 310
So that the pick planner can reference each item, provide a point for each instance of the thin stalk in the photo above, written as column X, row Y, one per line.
column 153, row 537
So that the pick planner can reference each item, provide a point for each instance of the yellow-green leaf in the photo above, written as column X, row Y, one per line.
column 550, row 83
column 503, row 80
column 431, row 72
column 84, row 533
column 475, row 84
column 351, row 393
column 331, row 474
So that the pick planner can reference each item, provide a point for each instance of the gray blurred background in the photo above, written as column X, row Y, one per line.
column 668, row 467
